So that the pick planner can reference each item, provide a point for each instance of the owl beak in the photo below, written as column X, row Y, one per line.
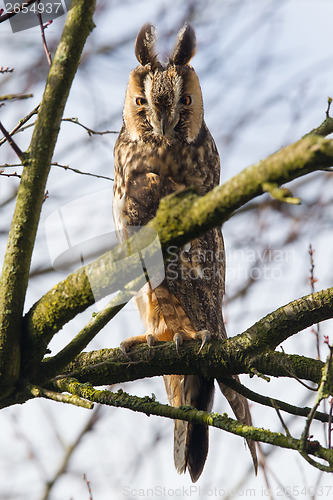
column 163, row 122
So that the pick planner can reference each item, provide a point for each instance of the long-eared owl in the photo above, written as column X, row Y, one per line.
column 165, row 146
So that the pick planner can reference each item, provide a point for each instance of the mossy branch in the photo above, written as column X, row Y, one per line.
column 40, row 392
column 325, row 128
column 151, row 407
column 253, row 349
column 36, row 161
column 217, row 360
column 180, row 218
column 120, row 267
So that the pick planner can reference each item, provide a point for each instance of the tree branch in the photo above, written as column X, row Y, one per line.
column 30, row 195
column 151, row 407
column 11, row 141
column 180, row 218
column 243, row 353
column 272, row 402
column 104, row 276
column 20, row 124
column 218, row 359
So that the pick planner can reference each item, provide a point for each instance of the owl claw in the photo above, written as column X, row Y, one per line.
column 151, row 339
column 124, row 347
column 204, row 335
column 148, row 338
column 178, row 340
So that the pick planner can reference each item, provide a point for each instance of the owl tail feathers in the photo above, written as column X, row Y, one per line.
column 190, row 448
column 240, row 407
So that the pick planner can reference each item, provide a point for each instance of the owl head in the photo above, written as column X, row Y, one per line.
column 163, row 103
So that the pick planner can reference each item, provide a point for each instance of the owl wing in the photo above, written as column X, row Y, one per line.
column 196, row 276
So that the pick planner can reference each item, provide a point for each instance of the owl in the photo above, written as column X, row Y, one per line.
column 164, row 146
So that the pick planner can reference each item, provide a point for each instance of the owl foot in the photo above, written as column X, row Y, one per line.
column 148, row 338
column 178, row 340
column 203, row 335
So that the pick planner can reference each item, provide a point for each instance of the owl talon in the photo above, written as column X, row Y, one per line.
column 178, row 340
column 147, row 338
column 124, row 347
column 204, row 335
column 151, row 339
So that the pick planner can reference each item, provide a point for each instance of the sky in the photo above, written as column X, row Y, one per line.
column 266, row 72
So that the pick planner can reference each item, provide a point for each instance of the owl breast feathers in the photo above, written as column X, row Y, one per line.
column 164, row 146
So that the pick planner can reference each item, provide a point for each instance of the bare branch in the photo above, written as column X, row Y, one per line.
column 62, row 469
column 65, row 167
column 76, row 171
column 273, row 403
column 323, row 393
column 151, row 407
column 21, row 123
column 6, row 70
column 42, row 28
column 313, row 280
column 14, row 174
column 13, row 144
column 14, row 97
column 89, row 130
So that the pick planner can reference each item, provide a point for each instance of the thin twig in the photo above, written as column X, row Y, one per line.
column 313, row 280
column 20, row 124
column 71, row 449
column 272, row 403
column 330, row 419
column 11, row 142
column 88, row 485
column 56, row 164
column 14, row 174
column 329, row 102
column 295, row 377
column 267, row 469
column 276, row 408
column 6, row 70
column 263, row 465
column 66, row 167
column 321, row 394
column 89, row 130
column 42, row 28
column 13, row 97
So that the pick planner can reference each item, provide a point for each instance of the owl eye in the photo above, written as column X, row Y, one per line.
column 186, row 100
column 140, row 101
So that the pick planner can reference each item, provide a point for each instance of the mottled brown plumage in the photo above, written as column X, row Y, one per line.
column 164, row 146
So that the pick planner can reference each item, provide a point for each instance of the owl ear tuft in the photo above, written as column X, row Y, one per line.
column 145, row 45
column 186, row 46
